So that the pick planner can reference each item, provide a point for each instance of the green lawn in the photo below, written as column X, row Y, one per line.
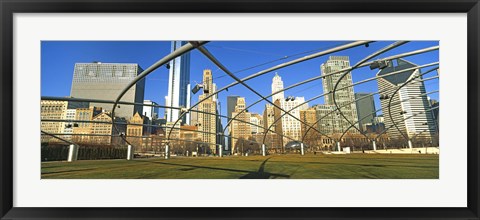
column 351, row 166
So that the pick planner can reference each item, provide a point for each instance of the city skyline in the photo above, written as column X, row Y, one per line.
column 300, row 119
column 154, row 84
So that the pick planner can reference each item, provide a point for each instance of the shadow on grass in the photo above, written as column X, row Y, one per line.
column 260, row 174
column 66, row 171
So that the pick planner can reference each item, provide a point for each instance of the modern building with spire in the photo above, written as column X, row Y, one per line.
column 410, row 109
column 178, row 85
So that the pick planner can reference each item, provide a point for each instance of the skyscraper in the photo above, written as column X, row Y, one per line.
column 240, row 129
column 277, row 85
column 208, row 122
column 178, row 85
column 409, row 108
column 288, row 125
column 231, row 103
column 344, row 96
column 105, row 81
column 365, row 109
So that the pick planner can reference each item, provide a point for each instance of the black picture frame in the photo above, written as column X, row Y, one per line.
column 9, row 7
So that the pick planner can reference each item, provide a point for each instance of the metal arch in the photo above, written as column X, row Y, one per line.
column 299, row 105
column 343, row 70
column 390, row 101
column 366, row 80
column 383, row 50
column 59, row 138
column 180, row 51
column 282, row 65
column 134, row 103
column 346, row 104
column 221, row 66
column 418, row 113
column 389, row 104
column 424, row 94
column 339, row 71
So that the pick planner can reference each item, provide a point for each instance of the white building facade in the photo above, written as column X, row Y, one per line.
column 409, row 109
column 277, row 85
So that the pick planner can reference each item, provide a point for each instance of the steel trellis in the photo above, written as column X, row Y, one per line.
column 413, row 115
column 180, row 51
column 390, row 101
column 383, row 50
column 396, row 87
column 373, row 78
column 348, row 103
column 286, row 64
column 221, row 66
column 396, row 103
column 339, row 71
column 389, row 105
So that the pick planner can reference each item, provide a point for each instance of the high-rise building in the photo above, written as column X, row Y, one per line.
column 208, row 122
column 231, row 103
column 277, row 85
column 409, row 109
column 178, row 85
column 105, row 81
column 52, row 110
column 289, row 125
column 365, row 110
column 344, row 94
column 240, row 129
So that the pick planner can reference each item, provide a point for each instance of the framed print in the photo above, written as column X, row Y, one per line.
column 257, row 110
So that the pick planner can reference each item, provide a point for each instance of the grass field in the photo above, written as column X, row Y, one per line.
column 351, row 166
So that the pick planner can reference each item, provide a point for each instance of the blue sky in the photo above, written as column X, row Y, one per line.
column 59, row 57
